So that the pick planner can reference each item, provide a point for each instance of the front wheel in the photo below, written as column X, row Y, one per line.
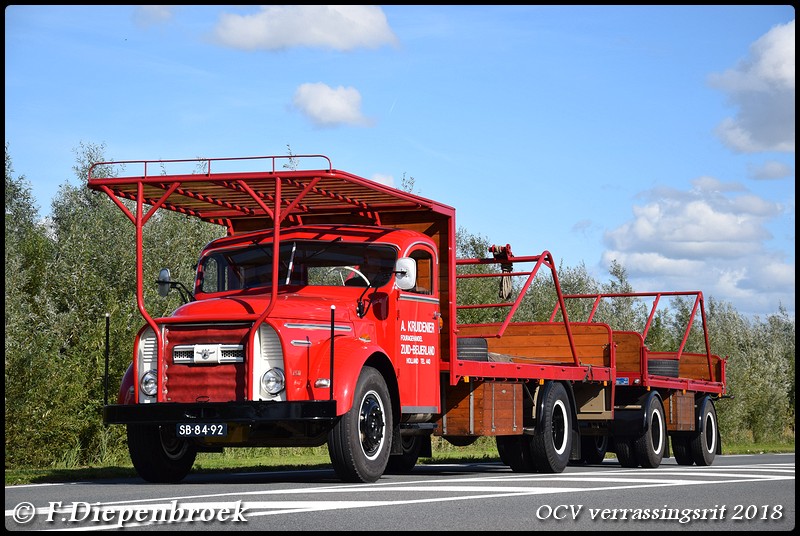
column 360, row 443
column 158, row 455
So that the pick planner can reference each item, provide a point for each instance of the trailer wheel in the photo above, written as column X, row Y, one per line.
column 551, row 442
column 158, row 455
column 359, row 444
column 649, row 447
column 623, row 446
column 593, row 448
column 515, row 452
column 404, row 463
column 703, row 444
column 681, row 447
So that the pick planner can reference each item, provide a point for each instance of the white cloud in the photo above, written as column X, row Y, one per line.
column 710, row 238
column 279, row 27
column 145, row 16
column 329, row 107
column 762, row 88
column 388, row 180
column 770, row 170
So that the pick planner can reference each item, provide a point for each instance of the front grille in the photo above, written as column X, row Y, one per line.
column 206, row 362
column 208, row 354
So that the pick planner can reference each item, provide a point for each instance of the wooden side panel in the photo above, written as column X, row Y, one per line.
column 481, row 408
column 695, row 367
column 546, row 342
column 679, row 409
column 629, row 351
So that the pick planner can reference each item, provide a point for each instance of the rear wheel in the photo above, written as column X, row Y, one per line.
column 649, row 447
column 515, row 452
column 360, row 443
column 593, row 448
column 623, row 446
column 551, row 442
column 405, row 462
column 158, row 454
column 703, row 444
column 681, row 448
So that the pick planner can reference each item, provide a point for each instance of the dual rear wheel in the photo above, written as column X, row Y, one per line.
column 547, row 450
column 699, row 447
column 646, row 449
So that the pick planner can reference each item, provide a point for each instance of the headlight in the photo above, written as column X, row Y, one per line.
column 273, row 381
column 149, row 383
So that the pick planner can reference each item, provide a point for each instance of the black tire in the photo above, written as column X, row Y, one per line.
column 663, row 367
column 158, row 455
column 551, row 441
column 682, row 450
column 360, row 443
column 461, row 441
column 515, row 452
column 593, row 448
column 650, row 447
column 703, row 444
column 472, row 349
column 623, row 446
column 400, row 464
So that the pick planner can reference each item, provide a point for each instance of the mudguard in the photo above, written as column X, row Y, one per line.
column 127, row 389
column 350, row 356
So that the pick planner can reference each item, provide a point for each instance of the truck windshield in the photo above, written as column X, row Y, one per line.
column 328, row 263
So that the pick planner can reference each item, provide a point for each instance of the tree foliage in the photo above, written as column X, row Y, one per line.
column 67, row 275
column 56, row 312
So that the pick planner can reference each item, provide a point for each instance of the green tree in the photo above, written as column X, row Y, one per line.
column 55, row 352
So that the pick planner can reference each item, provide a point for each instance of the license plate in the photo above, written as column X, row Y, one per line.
column 202, row 430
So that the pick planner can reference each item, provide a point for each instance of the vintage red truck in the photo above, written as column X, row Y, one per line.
column 328, row 313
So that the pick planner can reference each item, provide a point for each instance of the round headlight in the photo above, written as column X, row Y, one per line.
column 149, row 383
column 273, row 381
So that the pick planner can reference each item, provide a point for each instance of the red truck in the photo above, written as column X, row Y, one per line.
column 329, row 313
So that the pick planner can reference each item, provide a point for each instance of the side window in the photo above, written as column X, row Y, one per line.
column 210, row 276
column 424, row 271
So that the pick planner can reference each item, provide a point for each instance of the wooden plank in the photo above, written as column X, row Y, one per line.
column 548, row 342
column 679, row 409
column 629, row 346
column 481, row 408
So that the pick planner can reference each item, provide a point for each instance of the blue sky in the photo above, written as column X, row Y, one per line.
column 662, row 137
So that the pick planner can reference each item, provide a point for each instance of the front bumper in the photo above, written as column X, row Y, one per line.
column 230, row 412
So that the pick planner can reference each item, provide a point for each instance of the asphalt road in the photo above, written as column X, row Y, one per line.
column 737, row 493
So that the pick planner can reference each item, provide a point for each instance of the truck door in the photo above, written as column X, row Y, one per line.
column 418, row 341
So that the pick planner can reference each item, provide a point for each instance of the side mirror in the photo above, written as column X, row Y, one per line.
column 406, row 273
column 164, row 282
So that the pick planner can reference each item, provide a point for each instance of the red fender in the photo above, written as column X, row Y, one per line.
column 127, row 389
column 350, row 357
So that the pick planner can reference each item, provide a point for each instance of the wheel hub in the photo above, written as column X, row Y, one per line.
column 371, row 425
